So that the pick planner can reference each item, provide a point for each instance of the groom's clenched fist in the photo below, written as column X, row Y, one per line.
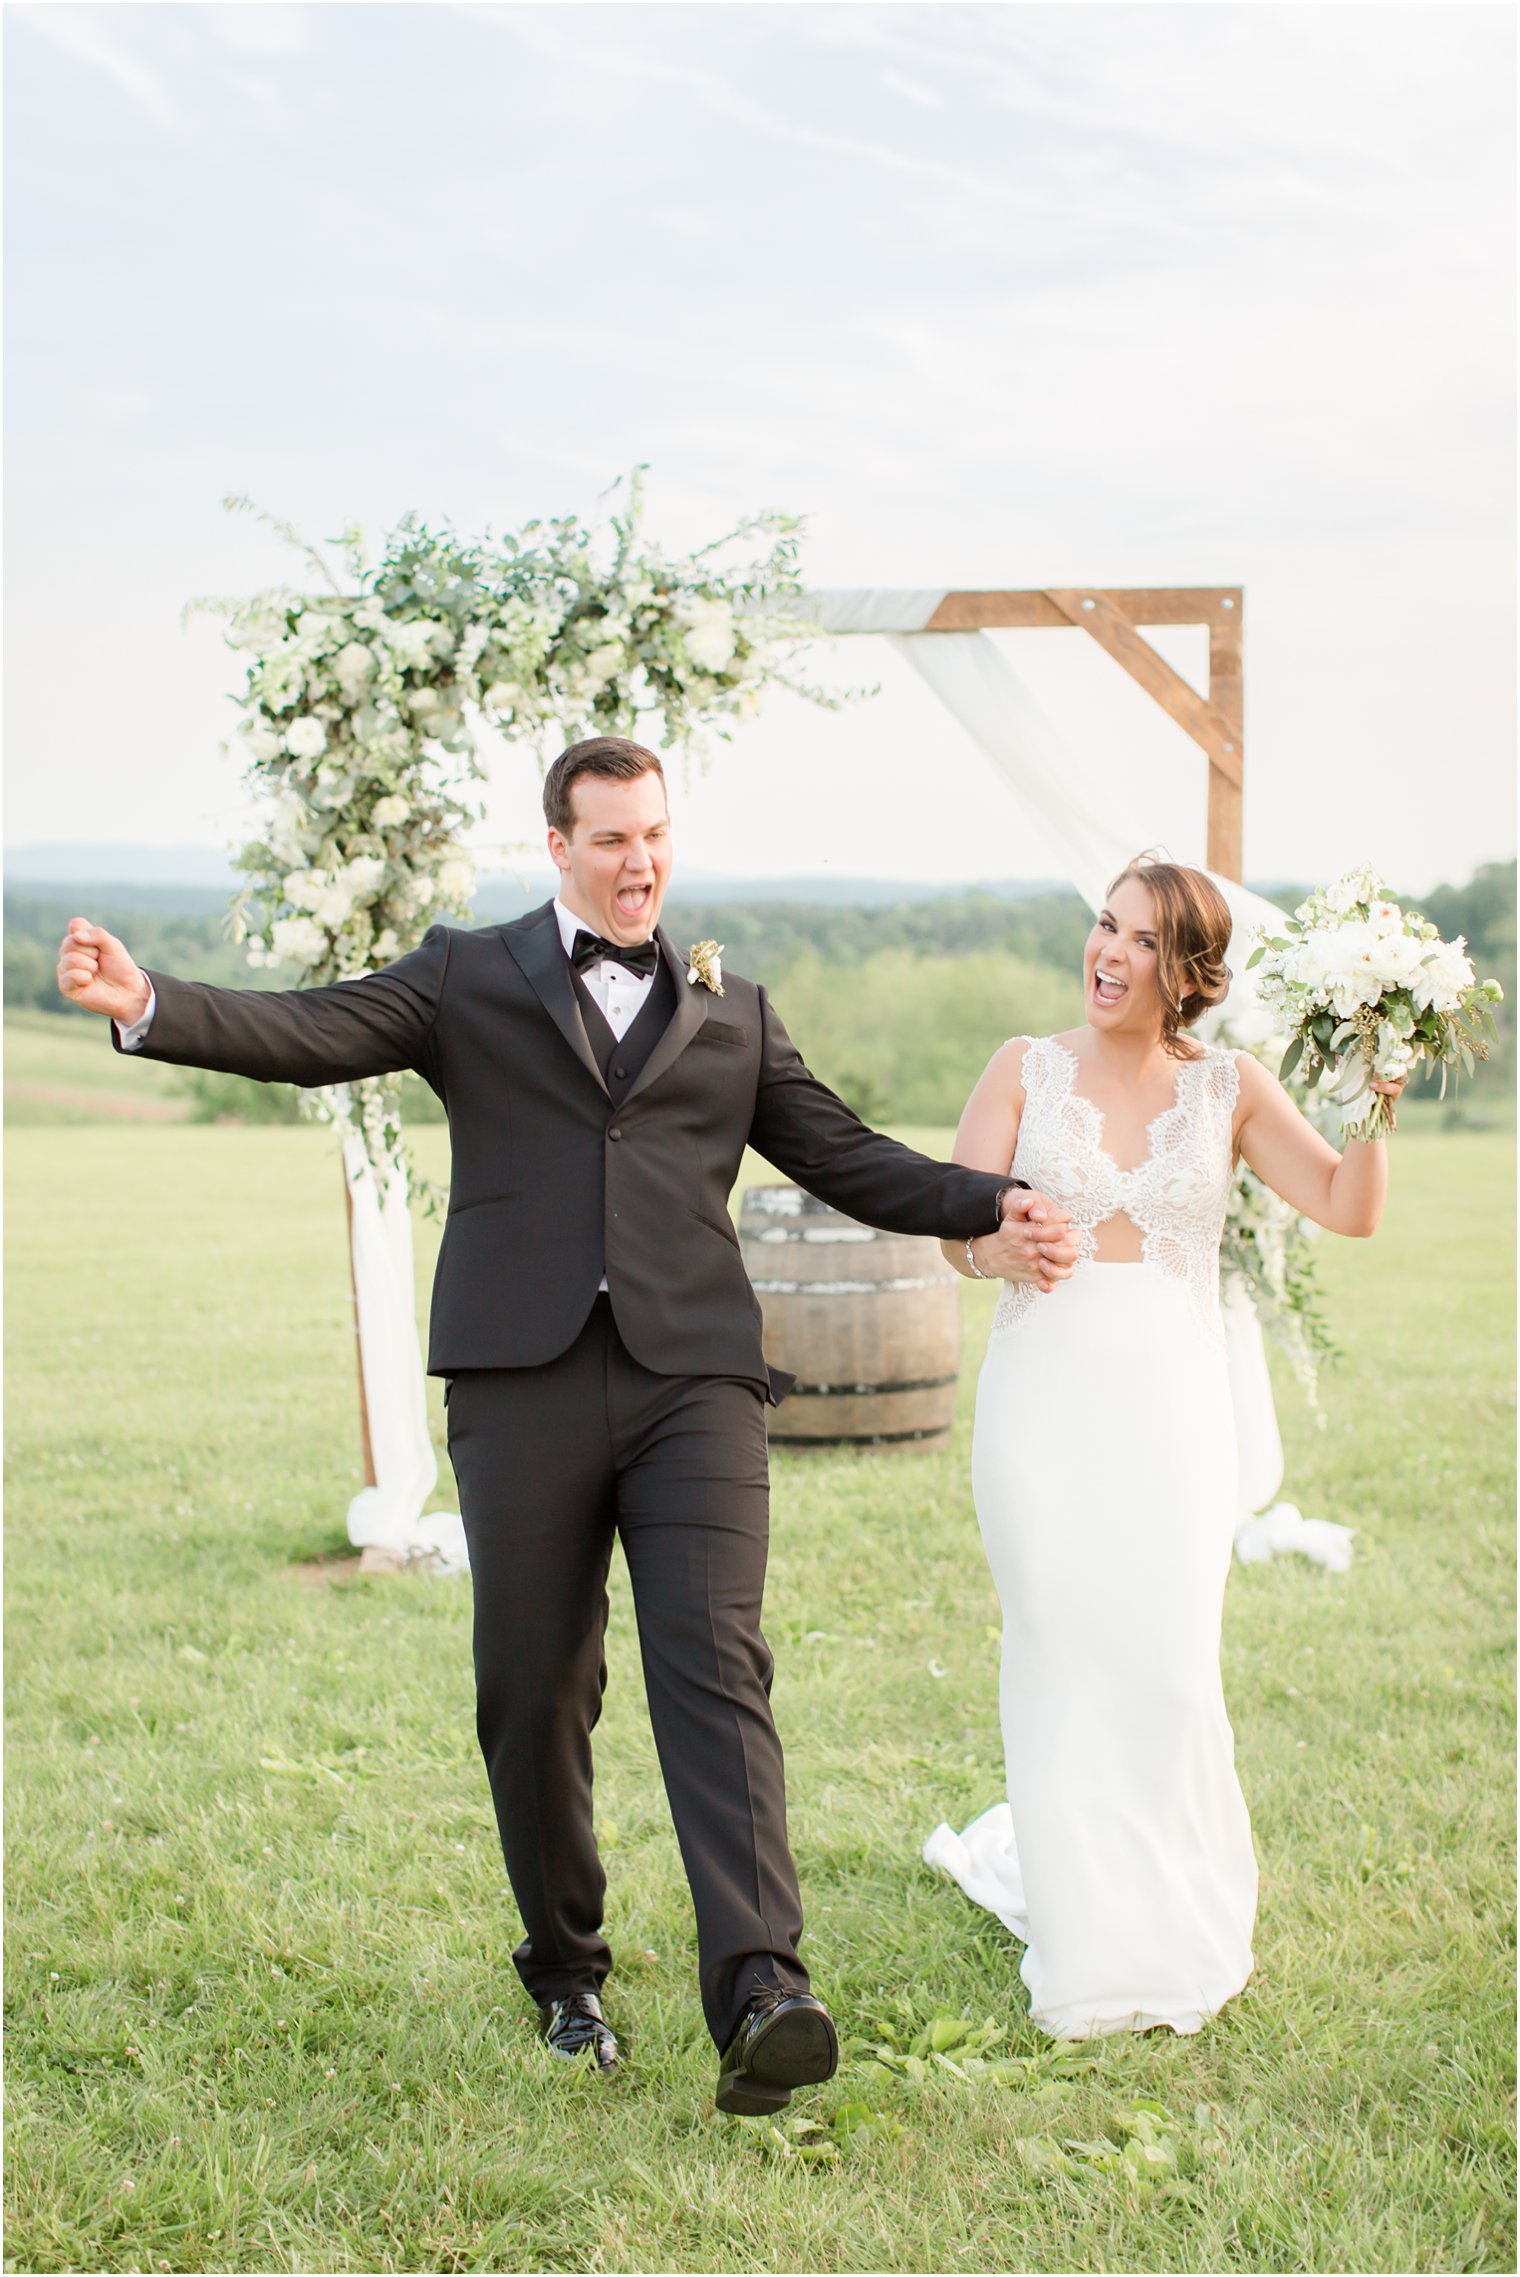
column 95, row 971
column 1033, row 1243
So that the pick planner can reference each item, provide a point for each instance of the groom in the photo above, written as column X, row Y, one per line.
column 601, row 1351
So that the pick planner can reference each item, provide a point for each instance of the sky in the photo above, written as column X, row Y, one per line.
column 1008, row 295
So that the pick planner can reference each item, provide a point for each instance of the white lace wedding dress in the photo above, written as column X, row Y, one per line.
column 1104, row 1474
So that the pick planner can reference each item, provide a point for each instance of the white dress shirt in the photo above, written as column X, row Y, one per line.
column 133, row 1038
column 619, row 993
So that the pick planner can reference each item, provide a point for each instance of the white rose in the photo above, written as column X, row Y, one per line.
column 456, row 880
column 314, row 632
column 423, row 702
column 334, row 905
column 306, row 738
column 1446, row 976
column 500, row 696
column 303, row 889
column 709, row 629
column 262, row 744
column 1399, row 957
column 418, row 642
column 297, row 940
column 390, row 811
column 601, row 664
column 353, row 665
column 386, row 946
column 412, row 895
column 363, row 875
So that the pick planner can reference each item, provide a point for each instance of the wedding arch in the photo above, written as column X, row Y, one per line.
column 359, row 727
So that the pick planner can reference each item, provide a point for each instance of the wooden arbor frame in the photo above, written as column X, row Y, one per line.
column 1113, row 619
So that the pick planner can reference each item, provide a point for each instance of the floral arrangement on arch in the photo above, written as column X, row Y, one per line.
column 364, row 694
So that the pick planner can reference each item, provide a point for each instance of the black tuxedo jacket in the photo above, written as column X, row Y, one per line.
column 562, row 1171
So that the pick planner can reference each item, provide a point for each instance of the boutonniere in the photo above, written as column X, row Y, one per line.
column 703, row 965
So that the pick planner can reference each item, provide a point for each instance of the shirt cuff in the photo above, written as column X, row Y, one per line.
column 133, row 1038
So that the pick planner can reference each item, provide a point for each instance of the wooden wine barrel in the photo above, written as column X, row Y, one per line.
column 869, row 1323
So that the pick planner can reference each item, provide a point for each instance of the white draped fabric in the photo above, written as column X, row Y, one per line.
column 388, row 1515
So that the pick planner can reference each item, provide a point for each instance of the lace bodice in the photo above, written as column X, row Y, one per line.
column 1176, row 1197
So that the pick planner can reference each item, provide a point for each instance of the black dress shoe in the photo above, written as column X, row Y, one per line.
column 784, row 2040
column 576, row 2026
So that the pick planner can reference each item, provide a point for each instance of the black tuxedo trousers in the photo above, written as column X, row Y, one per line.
column 577, row 1420
column 554, row 1464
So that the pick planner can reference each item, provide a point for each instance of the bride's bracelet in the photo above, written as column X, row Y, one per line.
column 976, row 1269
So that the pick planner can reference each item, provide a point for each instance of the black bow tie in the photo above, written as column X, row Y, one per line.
column 590, row 948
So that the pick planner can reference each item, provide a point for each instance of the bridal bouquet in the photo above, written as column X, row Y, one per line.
column 1365, row 990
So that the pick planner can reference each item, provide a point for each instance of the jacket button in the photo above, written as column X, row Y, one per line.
column 614, row 1133
column 619, row 1073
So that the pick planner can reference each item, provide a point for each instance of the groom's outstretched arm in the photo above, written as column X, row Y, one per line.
column 307, row 1036
column 808, row 1132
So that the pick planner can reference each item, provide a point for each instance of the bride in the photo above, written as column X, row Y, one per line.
column 1103, row 1469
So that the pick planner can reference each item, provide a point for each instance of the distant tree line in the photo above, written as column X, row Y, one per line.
column 898, row 1008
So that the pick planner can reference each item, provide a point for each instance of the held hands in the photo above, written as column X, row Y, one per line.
column 1034, row 1243
column 95, row 971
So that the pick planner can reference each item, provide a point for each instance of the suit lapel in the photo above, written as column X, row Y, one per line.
column 689, row 1014
column 536, row 946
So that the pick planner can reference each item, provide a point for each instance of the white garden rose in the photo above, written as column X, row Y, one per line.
column 389, row 811
column 354, row 665
column 297, row 940
column 501, row 696
column 456, row 880
column 386, row 946
column 601, row 664
column 334, row 905
column 709, row 630
column 422, row 703
column 1399, row 957
column 303, row 889
column 1446, row 974
column 363, row 875
column 411, row 643
column 262, row 745
column 419, row 640
column 412, row 895
column 306, row 738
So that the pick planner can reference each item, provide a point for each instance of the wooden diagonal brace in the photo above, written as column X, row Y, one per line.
column 1099, row 614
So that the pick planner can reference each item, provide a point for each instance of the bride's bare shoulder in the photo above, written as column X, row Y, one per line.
column 1007, row 1062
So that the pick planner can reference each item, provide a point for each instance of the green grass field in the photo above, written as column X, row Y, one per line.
column 262, row 2013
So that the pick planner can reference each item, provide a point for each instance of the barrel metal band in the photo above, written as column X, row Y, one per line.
column 846, row 1288
column 865, row 1391
column 860, row 1439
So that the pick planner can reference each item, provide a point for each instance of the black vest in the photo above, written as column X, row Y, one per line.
column 621, row 1062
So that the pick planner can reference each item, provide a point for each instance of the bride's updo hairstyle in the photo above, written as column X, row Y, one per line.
column 1193, row 927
